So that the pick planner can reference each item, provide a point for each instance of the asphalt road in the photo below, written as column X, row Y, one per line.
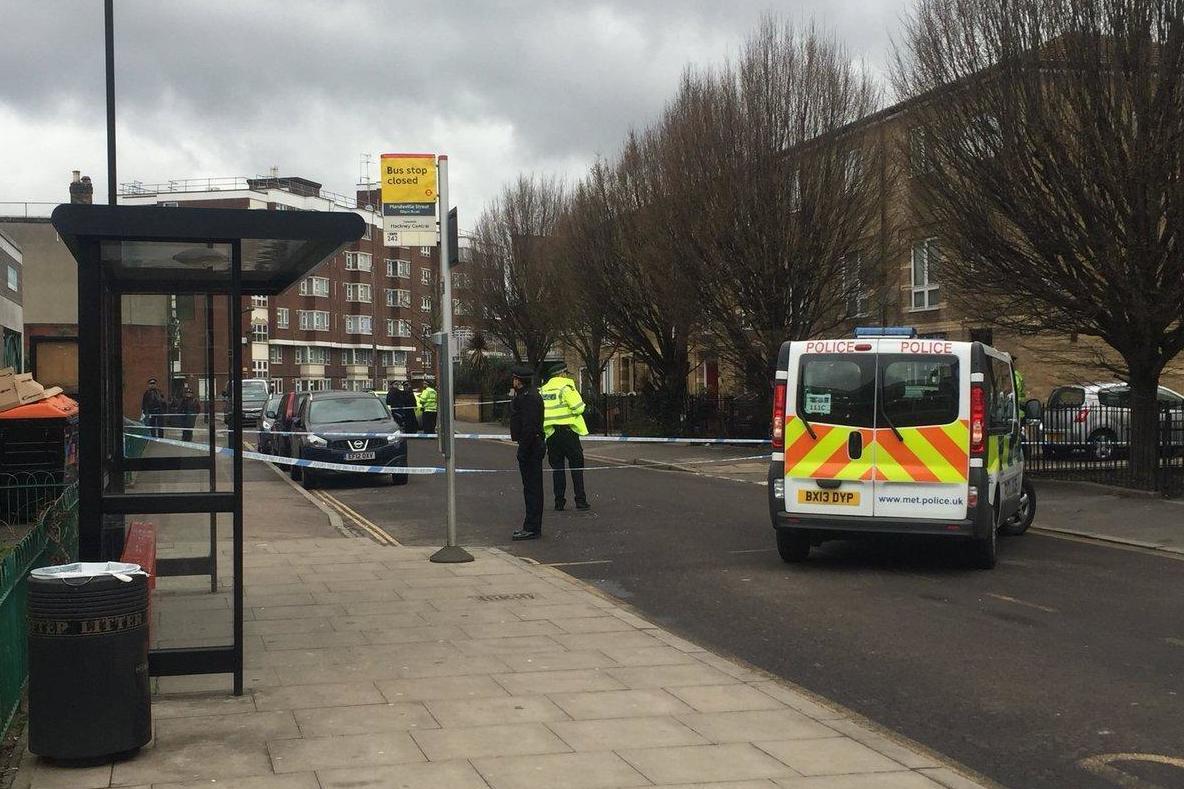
column 1067, row 650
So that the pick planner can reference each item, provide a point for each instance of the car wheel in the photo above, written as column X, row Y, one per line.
column 984, row 551
column 400, row 479
column 792, row 546
column 294, row 471
column 1101, row 444
column 1019, row 522
column 310, row 479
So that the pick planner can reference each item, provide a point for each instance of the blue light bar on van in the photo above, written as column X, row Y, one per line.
column 866, row 332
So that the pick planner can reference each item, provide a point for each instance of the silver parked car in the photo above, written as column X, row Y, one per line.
column 1095, row 418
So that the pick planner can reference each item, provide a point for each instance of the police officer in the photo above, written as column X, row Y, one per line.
column 526, row 428
column 563, row 424
column 426, row 398
column 188, row 407
column 402, row 402
column 153, row 405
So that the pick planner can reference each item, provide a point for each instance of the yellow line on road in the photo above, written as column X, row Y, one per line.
column 379, row 534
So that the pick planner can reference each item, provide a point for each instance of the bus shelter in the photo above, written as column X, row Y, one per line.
column 174, row 295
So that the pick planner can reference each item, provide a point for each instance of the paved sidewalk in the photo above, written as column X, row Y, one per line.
column 1093, row 511
column 368, row 666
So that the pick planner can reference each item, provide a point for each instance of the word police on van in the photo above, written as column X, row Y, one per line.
column 890, row 434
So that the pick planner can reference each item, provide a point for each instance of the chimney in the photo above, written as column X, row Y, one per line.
column 81, row 190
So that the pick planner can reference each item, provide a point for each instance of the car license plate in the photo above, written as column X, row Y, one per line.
column 849, row 498
column 359, row 456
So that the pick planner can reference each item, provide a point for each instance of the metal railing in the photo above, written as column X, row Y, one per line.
column 700, row 415
column 1092, row 443
column 26, row 210
column 49, row 536
column 237, row 183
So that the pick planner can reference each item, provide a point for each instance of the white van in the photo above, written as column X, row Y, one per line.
column 886, row 433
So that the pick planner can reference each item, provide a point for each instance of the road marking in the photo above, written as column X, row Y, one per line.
column 754, row 550
column 380, row 535
column 1037, row 606
column 1100, row 766
column 576, row 564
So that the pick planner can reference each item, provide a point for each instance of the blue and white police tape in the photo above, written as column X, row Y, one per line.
column 492, row 436
column 351, row 468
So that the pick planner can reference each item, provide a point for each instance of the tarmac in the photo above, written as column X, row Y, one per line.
column 369, row 666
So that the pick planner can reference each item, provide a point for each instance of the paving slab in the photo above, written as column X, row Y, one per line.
column 618, row 704
column 301, row 781
column 559, row 771
column 735, row 697
column 441, row 688
column 832, row 756
column 434, row 775
column 617, row 733
column 366, row 719
column 746, row 726
column 239, row 727
column 705, row 763
column 488, row 711
column 351, row 750
column 573, row 681
column 342, row 694
column 902, row 780
column 475, row 742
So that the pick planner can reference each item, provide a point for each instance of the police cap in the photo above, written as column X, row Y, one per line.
column 522, row 371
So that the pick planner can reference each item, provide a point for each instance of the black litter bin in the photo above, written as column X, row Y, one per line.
column 89, row 695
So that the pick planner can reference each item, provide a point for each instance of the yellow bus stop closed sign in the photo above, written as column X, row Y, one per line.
column 408, row 184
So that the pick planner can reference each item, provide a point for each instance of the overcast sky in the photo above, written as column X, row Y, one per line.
column 211, row 88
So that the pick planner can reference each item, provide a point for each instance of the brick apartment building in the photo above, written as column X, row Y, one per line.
column 360, row 320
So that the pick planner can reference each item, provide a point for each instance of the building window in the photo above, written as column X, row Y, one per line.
column 259, row 369
column 13, row 278
column 258, row 332
column 425, row 276
column 458, row 307
column 854, row 287
column 281, row 317
column 259, row 301
column 462, row 338
column 313, row 354
column 358, row 261
column 926, row 292
column 358, row 324
column 315, row 286
column 356, row 385
column 358, row 291
column 427, row 358
column 313, row 320
column 394, row 358
column 920, row 162
column 398, row 268
column 460, row 279
column 426, row 251
column 398, row 328
column 276, row 354
column 357, row 355
column 425, row 303
column 277, row 385
column 425, row 330
column 852, row 169
column 367, row 233
column 398, row 298
column 311, row 384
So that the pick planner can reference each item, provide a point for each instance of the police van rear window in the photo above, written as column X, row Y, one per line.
column 919, row 390
column 837, row 389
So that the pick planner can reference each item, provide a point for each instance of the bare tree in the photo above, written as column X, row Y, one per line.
column 783, row 192
column 514, row 277
column 650, row 294
column 1055, row 134
column 586, row 243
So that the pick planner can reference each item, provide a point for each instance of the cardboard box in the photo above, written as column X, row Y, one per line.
column 28, row 390
column 8, row 395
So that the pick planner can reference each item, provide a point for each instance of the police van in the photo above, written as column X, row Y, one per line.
column 887, row 433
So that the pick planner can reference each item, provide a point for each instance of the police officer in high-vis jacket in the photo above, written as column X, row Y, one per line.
column 563, row 424
column 425, row 397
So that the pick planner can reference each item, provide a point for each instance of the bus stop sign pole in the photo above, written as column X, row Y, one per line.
column 451, row 552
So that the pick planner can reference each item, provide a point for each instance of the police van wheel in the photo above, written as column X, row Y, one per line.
column 1018, row 523
column 792, row 546
column 984, row 551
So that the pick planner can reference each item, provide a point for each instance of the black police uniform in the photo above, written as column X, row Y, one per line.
column 402, row 403
column 526, row 428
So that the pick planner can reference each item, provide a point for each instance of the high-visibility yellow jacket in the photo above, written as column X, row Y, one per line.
column 562, row 405
column 427, row 400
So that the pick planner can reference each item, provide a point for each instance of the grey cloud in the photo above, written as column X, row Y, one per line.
column 305, row 84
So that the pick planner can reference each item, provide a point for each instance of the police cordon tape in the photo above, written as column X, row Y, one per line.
column 488, row 436
column 282, row 460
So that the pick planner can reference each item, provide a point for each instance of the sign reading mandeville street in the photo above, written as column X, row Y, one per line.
column 409, row 197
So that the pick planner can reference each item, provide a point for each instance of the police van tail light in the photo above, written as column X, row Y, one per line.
column 779, row 416
column 978, row 419
column 971, row 497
